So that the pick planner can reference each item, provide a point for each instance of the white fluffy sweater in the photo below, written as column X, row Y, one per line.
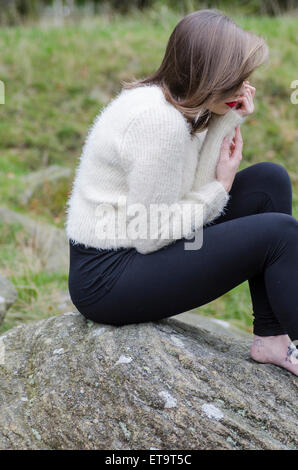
column 139, row 150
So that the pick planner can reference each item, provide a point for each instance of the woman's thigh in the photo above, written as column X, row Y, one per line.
column 174, row 279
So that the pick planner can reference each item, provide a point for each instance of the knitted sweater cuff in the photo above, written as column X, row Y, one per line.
column 219, row 127
column 215, row 198
column 207, row 203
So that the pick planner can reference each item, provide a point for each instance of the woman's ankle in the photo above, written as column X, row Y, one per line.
column 274, row 347
column 278, row 350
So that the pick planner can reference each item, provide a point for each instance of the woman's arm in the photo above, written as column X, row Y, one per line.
column 155, row 145
column 219, row 127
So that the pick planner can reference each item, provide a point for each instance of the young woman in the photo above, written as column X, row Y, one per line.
column 174, row 138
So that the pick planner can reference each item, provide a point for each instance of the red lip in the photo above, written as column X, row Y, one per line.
column 232, row 104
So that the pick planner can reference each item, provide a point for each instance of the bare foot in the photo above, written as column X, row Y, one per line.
column 278, row 350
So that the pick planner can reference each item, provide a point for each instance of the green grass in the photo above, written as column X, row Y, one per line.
column 58, row 78
column 37, row 290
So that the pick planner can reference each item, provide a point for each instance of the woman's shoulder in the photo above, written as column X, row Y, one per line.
column 149, row 106
column 132, row 100
column 137, row 107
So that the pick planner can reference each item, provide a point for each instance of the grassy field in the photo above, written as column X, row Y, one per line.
column 56, row 81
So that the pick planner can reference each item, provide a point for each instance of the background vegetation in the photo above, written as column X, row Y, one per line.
column 57, row 78
column 16, row 11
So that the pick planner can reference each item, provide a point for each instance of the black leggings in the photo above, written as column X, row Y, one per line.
column 255, row 240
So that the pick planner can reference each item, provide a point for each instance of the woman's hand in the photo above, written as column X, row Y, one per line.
column 231, row 153
column 229, row 160
column 245, row 103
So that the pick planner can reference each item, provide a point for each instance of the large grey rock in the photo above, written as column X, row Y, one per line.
column 50, row 242
column 220, row 327
column 68, row 383
column 8, row 295
column 35, row 180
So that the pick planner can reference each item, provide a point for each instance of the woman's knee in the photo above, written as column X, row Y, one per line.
column 272, row 181
column 280, row 224
column 269, row 177
column 272, row 173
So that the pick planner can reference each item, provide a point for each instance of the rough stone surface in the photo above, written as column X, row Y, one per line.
column 214, row 325
column 35, row 180
column 8, row 295
column 50, row 242
column 68, row 383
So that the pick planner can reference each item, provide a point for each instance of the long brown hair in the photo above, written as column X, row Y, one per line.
column 207, row 59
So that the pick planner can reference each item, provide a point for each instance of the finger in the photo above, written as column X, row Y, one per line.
column 225, row 146
column 250, row 90
column 250, row 104
column 247, row 85
column 243, row 102
column 225, row 143
column 249, row 98
column 239, row 140
column 250, row 87
column 237, row 133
